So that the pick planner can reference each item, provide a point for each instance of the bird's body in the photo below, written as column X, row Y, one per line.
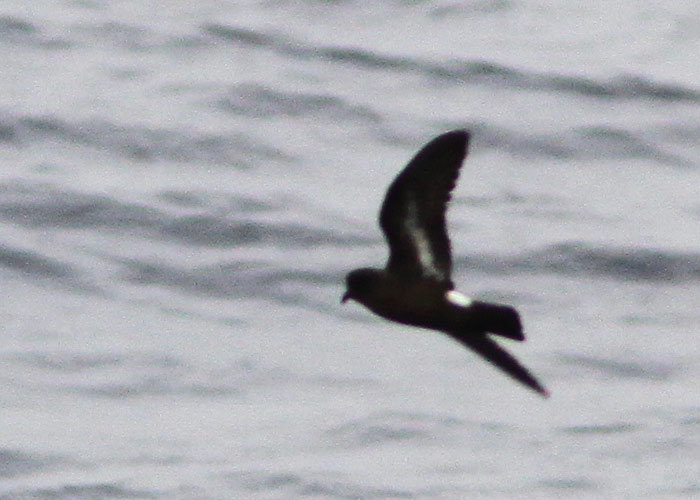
column 416, row 287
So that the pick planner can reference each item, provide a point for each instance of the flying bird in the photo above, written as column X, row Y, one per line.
column 415, row 288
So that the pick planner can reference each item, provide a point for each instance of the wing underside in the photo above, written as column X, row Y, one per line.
column 413, row 213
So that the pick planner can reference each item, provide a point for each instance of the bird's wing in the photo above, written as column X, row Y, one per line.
column 495, row 354
column 413, row 213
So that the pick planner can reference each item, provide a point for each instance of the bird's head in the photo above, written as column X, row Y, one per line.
column 360, row 284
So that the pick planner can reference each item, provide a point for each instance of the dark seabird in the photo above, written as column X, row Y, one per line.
column 416, row 287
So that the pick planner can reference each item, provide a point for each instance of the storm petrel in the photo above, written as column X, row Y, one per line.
column 416, row 287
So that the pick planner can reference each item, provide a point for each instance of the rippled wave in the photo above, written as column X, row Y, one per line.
column 624, row 87
column 589, row 143
column 141, row 144
column 16, row 463
column 378, row 429
column 135, row 374
column 30, row 264
column 648, row 370
column 302, row 485
column 82, row 491
column 238, row 151
column 184, row 189
column 586, row 260
column 45, row 206
column 261, row 101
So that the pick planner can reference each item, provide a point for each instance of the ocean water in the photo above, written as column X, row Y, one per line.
column 183, row 186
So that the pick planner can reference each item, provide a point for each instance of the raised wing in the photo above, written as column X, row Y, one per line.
column 413, row 213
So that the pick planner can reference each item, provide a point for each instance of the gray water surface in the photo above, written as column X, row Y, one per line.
column 184, row 186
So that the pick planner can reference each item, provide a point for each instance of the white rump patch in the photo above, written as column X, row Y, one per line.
column 458, row 299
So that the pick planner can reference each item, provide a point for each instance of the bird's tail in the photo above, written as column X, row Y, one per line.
column 481, row 318
column 494, row 318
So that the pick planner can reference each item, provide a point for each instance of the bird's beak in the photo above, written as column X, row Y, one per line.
column 345, row 297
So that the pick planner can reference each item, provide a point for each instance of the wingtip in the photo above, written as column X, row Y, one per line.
column 543, row 392
column 535, row 385
column 455, row 142
column 460, row 137
column 499, row 357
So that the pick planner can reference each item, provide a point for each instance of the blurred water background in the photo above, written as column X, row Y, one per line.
column 183, row 186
